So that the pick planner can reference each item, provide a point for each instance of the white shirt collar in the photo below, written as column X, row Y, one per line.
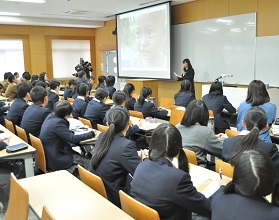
column 244, row 132
column 97, row 100
column 80, row 97
column 146, row 100
column 53, row 90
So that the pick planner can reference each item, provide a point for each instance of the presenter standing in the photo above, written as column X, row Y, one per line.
column 188, row 73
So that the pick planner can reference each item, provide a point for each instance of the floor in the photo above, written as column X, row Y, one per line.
column 31, row 215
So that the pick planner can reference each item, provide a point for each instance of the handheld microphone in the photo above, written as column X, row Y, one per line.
column 226, row 75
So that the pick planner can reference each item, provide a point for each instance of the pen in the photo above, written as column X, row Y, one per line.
column 220, row 172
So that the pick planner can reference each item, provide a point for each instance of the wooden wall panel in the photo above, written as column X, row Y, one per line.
column 215, row 8
column 237, row 7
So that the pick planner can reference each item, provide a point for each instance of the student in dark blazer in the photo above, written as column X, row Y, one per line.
column 35, row 114
column 254, row 121
column 147, row 108
column 96, row 108
column 69, row 90
column 81, row 102
column 101, row 82
column 243, row 198
column 53, row 96
column 19, row 106
column 3, row 108
column 110, row 81
column 57, row 139
column 129, row 90
column 114, row 156
column 83, row 79
column 163, row 187
column 188, row 73
column 44, row 78
column 184, row 96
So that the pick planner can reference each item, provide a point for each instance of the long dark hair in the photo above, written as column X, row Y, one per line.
column 257, row 93
column 188, row 62
column 185, row 86
column 42, row 76
column 118, row 118
column 197, row 111
column 216, row 89
column 255, row 120
column 144, row 93
column 128, row 89
column 166, row 141
column 254, row 175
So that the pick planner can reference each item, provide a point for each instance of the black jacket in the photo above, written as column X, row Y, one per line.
column 16, row 111
column 183, row 98
column 168, row 190
column 190, row 74
column 68, row 93
column 148, row 109
column 79, row 108
column 110, row 90
column 131, row 103
column 52, row 99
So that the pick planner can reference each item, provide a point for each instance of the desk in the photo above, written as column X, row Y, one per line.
column 3, row 99
column 146, row 126
column 109, row 102
column 66, row 197
column 27, row 154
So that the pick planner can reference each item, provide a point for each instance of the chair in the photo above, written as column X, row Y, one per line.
column 191, row 156
column 211, row 113
column 102, row 127
column 21, row 134
column 40, row 153
column 85, row 122
column 136, row 114
column 92, row 180
column 18, row 206
column 173, row 107
column 71, row 100
column 46, row 214
column 231, row 133
column 227, row 169
column 176, row 116
column 136, row 209
column 166, row 102
column 10, row 126
column 3, row 94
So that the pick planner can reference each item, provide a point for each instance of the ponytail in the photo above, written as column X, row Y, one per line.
column 144, row 93
column 183, row 161
column 141, row 100
column 229, row 188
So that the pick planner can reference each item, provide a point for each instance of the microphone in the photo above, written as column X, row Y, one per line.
column 228, row 75
column 217, row 80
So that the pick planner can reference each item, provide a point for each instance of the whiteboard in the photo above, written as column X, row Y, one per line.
column 267, row 60
column 217, row 46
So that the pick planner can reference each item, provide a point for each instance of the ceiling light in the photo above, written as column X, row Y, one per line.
column 9, row 13
column 27, row 1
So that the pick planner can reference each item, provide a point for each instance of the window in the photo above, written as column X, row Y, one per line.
column 66, row 55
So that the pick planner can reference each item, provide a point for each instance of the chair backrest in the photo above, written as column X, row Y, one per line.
column 92, row 180
column 46, row 215
column 85, row 122
column 176, row 116
column 227, row 169
column 71, row 100
column 191, row 156
column 211, row 113
column 21, row 133
column 40, row 153
column 10, row 125
column 136, row 114
column 166, row 102
column 136, row 209
column 102, row 127
column 18, row 206
column 173, row 107
column 231, row 133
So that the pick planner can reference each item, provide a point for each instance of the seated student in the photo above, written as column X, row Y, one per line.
column 163, row 187
column 114, row 157
column 34, row 77
column 81, row 102
column 40, row 83
column 11, row 90
column 243, row 198
column 25, row 77
column 69, row 90
column 16, row 74
column 3, row 108
column 147, row 108
column 129, row 90
column 254, row 121
column 197, row 136
column 5, row 82
column 44, row 78
column 83, row 79
column 184, row 96
column 101, row 82
column 57, row 139
column 257, row 95
column 35, row 114
column 96, row 108
column 110, row 81
column 53, row 96
column 19, row 106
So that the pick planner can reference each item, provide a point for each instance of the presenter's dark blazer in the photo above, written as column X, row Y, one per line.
column 56, row 136
column 190, row 74
column 148, row 109
column 237, row 207
column 183, row 98
column 33, row 119
column 95, row 112
column 68, row 93
column 79, row 108
column 110, row 90
column 52, row 99
column 269, row 149
column 121, row 160
column 168, row 190
column 16, row 111
column 131, row 103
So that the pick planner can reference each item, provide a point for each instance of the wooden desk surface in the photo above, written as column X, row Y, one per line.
column 109, row 102
column 66, row 197
column 146, row 126
column 2, row 98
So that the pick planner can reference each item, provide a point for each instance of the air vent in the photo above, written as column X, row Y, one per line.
column 77, row 12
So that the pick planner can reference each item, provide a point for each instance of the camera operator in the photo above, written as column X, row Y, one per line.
column 86, row 66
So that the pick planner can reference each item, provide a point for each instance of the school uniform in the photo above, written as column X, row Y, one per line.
column 168, row 190
column 95, row 112
column 3, row 109
column 33, row 119
column 16, row 111
column 68, row 93
column 79, row 107
column 110, row 90
column 131, row 103
column 183, row 98
column 101, row 85
column 5, row 85
column 52, row 99
column 81, row 80
column 189, row 75
column 56, row 138
column 148, row 109
column 11, row 91
column 121, row 160
column 236, row 207
column 269, row 149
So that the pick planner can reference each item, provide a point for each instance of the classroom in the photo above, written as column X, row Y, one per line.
column 139, row 109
